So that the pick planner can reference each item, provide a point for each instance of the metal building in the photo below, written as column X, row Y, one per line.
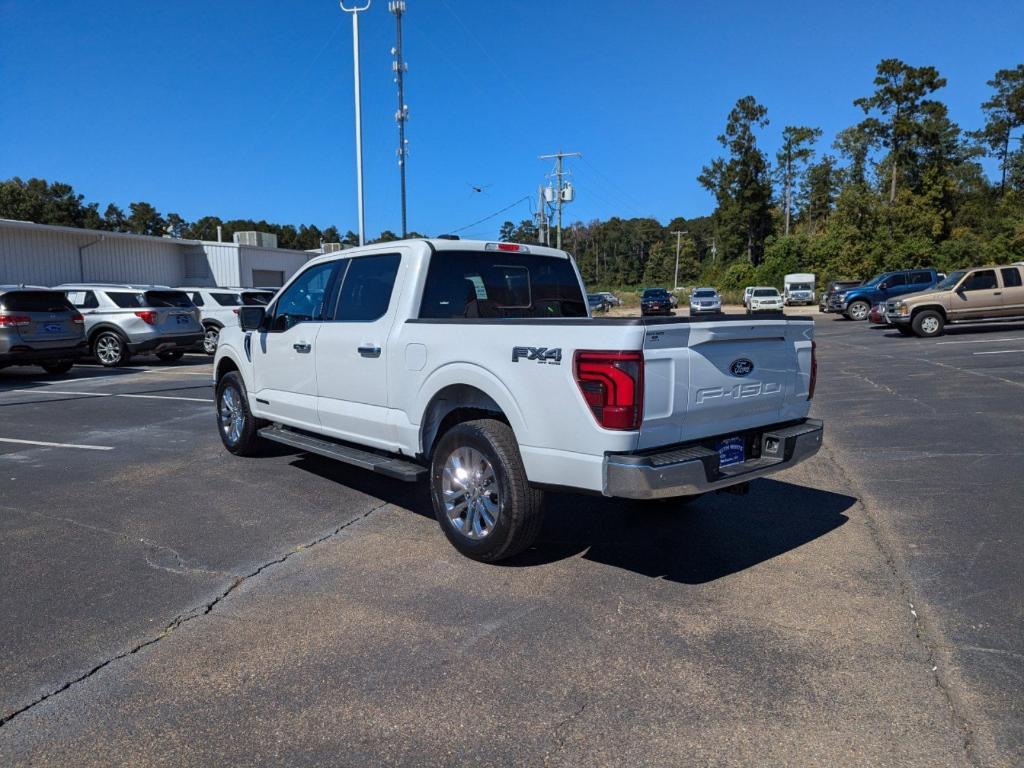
column 43, row 254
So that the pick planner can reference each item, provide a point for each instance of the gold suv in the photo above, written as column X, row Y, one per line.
column 979, row 295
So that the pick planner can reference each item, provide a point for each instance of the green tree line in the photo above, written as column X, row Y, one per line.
column 57, row 203
column 904, row 187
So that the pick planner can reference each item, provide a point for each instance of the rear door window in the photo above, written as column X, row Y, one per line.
column 920, row 278
column 500, row 285
column 35, row 301
column 197, row 299
column 366, row 288
column 1011, row 277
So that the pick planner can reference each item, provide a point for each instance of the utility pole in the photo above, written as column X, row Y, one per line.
column 678, row 234
column 355, row 11
column 561, row 190
column 399, row 66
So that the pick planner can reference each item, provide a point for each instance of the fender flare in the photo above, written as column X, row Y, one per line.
column 464, row 374
column 99, row 328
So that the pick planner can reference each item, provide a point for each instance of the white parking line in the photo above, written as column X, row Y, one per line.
column 980, row 341
column 57, row 445
column 1001, row 352
column 112, row 394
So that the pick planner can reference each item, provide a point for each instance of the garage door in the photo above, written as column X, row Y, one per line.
column 267, row 278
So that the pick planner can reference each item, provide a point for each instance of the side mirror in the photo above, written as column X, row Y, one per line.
column 251, row 318
column 883, row 286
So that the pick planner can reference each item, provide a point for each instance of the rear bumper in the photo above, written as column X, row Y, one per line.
column 165, row 343
column 23, row 354
column 694, row 469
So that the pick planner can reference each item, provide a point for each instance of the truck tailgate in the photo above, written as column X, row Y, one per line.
column 723, row 376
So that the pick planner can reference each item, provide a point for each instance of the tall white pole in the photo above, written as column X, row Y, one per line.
column 355, row 11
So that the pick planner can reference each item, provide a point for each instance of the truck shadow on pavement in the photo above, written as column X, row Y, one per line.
column 715, row 536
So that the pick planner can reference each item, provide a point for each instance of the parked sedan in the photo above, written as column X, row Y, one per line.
column 597, row 302
column 655, row 301
column 764, row 300
column 705, row 301
column 40, row 327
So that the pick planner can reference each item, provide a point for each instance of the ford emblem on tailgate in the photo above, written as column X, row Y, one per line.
column 741, row 367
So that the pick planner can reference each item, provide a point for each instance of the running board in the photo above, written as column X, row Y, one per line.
column 399, row 469
column 987, row 320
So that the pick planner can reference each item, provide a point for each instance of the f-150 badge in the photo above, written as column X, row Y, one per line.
column 542, row 355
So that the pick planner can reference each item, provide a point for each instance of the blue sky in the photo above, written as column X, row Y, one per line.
column 245, row 108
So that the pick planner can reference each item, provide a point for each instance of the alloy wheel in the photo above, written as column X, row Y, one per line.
column 469, row 490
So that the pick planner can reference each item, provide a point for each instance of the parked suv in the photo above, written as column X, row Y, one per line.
column 705, row 301
column 39, row 327
column 655, row 301
column 981, row 295
column 856, row 303
column 218, row 308
column 125, row 320
column 764, row 299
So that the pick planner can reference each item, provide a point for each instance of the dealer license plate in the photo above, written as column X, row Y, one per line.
column 731, row 451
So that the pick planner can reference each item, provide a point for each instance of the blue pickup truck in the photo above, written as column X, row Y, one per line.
column 855, row 303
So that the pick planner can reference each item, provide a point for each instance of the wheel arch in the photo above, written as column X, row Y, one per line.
column 99, row 328
column 454, row 403
column 915, row 311
column 211, row 323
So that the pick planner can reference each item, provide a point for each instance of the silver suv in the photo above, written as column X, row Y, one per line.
column 218, row 308
column 39, row 327
column 125, row 320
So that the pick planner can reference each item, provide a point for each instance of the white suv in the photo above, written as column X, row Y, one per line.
column 125, row 320
column 218, row 308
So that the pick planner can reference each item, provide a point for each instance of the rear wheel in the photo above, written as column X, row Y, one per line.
column 858, row 310
column 928, row 323
column 58, row 367
column 238, row 428
column 170, row 356
column 110, row 350
column 211, row 336
column 481, row 496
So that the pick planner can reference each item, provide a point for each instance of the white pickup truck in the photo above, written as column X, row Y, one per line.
column 476, row 365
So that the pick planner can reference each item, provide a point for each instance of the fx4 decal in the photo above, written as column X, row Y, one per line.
column 542, row 355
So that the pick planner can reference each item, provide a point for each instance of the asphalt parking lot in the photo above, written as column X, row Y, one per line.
column 165, row 603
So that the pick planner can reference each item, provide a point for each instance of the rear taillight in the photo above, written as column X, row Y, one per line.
column 814, row 370
column 612, row 384
column 77, row 319
column 14, row 321
column 148, row 317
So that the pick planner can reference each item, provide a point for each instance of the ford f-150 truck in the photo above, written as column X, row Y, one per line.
column 856, row 303
column 477, row 367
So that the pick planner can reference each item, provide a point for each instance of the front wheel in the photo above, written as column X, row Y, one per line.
column 481, row 496
column 928, row 323
column 858, row 310
column 238, row 428
column 110, row 350
column 210, row 338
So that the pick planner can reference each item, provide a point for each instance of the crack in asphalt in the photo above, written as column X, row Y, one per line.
column 562, row 724
column 184, row 618
column 926, row 631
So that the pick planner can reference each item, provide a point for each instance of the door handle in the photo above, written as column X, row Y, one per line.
column 369, row 350
column 998, row 293
column 302, row 346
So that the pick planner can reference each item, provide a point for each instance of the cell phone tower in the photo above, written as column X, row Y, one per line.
column 399, row 67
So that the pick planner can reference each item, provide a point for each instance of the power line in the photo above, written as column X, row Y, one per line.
column 496, row 213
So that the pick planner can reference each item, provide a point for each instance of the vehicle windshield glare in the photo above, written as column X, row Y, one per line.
column 655, row 293
column 951, row 280
column 876, row 279
column 766, row 292
column 704, row 294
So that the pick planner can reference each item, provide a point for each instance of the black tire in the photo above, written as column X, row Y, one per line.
column 231, row 394
column 518, row 508
column 211, row 336
column 58, row 367
column 110, row 350
column 170, row 356
column 928, row 323
column 905, row 330
column 858, row 310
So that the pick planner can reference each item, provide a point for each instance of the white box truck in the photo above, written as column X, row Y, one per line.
column 798, row 288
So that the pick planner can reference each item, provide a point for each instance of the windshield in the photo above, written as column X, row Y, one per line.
column 800, row 287
column 766, row 292
column 951, row 281
column 655, row 293
column 876, row 279
column 704, row 294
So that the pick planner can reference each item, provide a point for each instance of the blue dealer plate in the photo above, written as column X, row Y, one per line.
column 731, row 451
column 53, row 328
